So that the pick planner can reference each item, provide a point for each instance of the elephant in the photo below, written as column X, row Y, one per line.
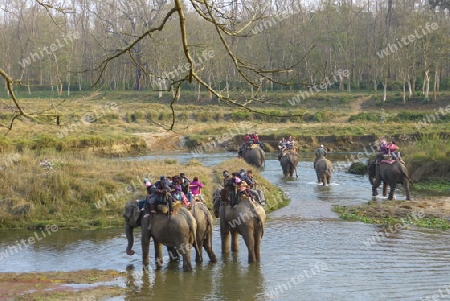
column 289, row 162
column 324, row 169
column 176, row 231
column 254, row 155
column 389, row 173
column 247, row 218
column 205, row 223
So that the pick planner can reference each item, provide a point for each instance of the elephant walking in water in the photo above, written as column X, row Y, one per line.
column 205, row 223
column 389, row 173
column 247, row 218
column 289, row 162
column 254, row 155
column 177, row 231
column 324, row 169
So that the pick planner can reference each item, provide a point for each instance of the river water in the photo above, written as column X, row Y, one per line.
column 308, row 253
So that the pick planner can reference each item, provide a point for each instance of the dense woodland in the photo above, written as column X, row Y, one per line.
column 64, row 46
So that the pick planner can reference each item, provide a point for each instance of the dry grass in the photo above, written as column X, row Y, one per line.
column 64, row 187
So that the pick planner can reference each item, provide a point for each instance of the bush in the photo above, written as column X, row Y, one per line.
column 357, row 168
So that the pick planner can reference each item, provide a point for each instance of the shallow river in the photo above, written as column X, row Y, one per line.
column 308, row 253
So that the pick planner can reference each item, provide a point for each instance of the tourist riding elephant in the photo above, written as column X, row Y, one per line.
column 254, row 155
column 390, row 173
column 289, row 162
column 247, row 218
column 323, row 169
column 177, row 231
column 205, row 223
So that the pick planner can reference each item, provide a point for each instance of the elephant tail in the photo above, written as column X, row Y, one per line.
column 405, row 174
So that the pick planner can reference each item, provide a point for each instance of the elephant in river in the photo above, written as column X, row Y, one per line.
column 254, row 155
column 324, row 169
column 176, row 231
column 205, row 223
column 389, row 173
column 247, row 218
column 289, row 162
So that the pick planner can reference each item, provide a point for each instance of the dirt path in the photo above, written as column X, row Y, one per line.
column 356, row 106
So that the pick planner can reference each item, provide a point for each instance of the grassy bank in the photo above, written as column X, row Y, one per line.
column 427, row 213
column 80, row 190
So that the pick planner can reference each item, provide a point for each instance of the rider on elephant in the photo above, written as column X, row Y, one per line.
column 142, row 204
column 184, row 182
column 177, row 192
column 196, row 187
column 233, row 185
column 226, row 176
column 393, row 150
column 160, row 194
column 321, row 151
column 257, row 194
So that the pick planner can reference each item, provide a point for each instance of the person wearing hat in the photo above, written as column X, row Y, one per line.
column 160, row 194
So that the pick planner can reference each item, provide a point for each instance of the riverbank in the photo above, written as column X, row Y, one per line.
column 427, row 212
column 85, row 285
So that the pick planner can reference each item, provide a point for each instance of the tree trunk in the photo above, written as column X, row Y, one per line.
column 410, row 91
column 436, row 84
column 404, row 90
column 426, row 84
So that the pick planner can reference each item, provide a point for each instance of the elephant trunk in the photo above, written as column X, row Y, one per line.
column 130, row 238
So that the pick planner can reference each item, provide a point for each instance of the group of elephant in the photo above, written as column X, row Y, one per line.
column 388, row 173
column 322, row 166
column 289, row 161
column 186, row 229
column 193, row 228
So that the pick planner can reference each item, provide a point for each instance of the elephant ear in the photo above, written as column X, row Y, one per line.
column 131, row 213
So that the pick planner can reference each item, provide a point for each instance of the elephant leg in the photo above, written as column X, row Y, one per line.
column 173, row 254
column 234, row 241
column 158, row 253
column 385, row 187
column 249, row 240
column 130, row 238
column 186, row 253
column 328, row 176
column 391, row 191
column 406, row 186
column 145, row 243
column 207, row 244
column 224, row 235
column 324, row 179
column 375, row 186
column 257, row 240
column 199, row 253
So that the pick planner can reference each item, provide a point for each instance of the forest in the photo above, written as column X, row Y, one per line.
column 248, row 47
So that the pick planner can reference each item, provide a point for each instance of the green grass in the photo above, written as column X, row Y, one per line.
column 360, row 213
